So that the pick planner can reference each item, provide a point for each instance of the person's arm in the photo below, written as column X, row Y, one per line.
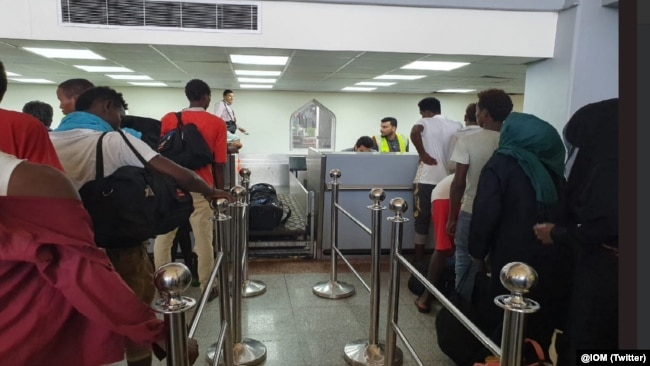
column 40, row 180
column 416, row 137
column 185, row 178
column 456, row 191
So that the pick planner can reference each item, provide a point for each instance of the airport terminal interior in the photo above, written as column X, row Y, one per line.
column 341, row 66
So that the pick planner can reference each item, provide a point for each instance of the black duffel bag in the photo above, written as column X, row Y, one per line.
column 266, row 211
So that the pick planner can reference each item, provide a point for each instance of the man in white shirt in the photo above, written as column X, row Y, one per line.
column 224, row 111
column 431, row 136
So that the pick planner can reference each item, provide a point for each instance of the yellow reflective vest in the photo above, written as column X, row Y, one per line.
column 382, row 144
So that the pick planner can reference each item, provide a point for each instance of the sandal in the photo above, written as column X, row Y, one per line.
column 422, row 309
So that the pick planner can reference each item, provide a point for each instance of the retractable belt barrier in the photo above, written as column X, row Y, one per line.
column 250, row 287
column 516, row 276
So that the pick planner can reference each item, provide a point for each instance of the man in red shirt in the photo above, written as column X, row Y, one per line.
column 213, row 130
column 24, row 136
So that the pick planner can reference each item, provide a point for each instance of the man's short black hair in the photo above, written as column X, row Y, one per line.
column 227, row 91
column 470, row 112
column 496, row 102
column 430, row 104
column 3, row 81
column 196, row 89
column 41, row 110
column 392, row 120
column 73, row 87
column 102, row 93
column 365, row 141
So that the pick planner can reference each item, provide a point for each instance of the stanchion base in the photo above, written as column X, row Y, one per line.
column 333, row 290
column 362, row 353
column 248, row 352
column 252, row 288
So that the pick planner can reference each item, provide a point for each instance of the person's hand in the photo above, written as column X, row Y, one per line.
column 428, row 159
column 451, row 227
column 543, row 232
column 243, row 130
column 233, row 147
column 218, row 193
column 192, row 350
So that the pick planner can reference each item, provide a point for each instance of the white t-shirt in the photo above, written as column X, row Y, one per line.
column 224, row 111
column 436, row 137
column 7, row 165
column 474, row 149
column 443, row 188
column 77, row 148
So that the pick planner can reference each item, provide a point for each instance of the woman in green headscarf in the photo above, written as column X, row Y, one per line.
column 521, row 185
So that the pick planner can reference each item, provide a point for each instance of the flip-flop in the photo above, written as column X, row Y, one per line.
column 421, row 309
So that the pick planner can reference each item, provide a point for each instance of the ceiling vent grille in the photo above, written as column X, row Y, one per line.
column 214, row 15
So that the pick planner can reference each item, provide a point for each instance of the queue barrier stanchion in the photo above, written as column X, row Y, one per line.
column 171, row 280
column 250, row 287
column 334, row 289
column 220, row 221
column 518, row 278
column 370, row 351
column 247, row 351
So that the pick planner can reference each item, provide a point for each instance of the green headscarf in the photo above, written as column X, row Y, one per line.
column 538, row 148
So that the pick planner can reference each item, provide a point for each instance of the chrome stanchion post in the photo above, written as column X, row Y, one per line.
column 220, row 222
column 247, row 351
column 334, row 289
column 171, row 280
column 250, row 287
column 370, row 352
column 518, row 278
column 398, row 206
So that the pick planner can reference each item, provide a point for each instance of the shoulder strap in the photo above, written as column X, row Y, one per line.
column 180, row 119
column 99, row 158
column 137, row 154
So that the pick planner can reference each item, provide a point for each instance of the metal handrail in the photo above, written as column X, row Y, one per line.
column 354, row 219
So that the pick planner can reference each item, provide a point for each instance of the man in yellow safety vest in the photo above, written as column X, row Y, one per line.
column 390, row 140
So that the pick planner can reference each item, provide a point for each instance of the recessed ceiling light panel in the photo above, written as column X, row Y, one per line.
column 357, row 88
column 374, row 83
column 65, row 53
column 255, row 86
column 399, row 77
column 455, row 90
column 434, row 65
column 257, row 73
column 129, row 77
column 147, row 83
column 9, row 73
column 103, row 68
column 33, row 81
column 259, row 60
column 257, row 80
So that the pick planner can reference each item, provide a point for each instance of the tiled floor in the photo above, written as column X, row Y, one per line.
column 300, row 329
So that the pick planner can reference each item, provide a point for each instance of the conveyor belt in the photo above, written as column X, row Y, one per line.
column 295, row 227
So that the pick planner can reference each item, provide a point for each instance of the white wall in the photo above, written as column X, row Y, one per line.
column 266, row 113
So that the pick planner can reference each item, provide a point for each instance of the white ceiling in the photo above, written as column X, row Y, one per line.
column 307, row 70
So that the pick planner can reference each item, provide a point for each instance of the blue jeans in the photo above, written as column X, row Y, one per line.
column 465, row 268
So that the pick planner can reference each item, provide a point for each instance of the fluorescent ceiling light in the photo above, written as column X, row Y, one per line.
column 374, row 83
column 147, row 83
column 434, row 65
column 455, row 90
column 255, row 86
column 129, row 77
column 9, row 73
column 259, row 60
column 256, row 80
column 357, row 88
column 65, row 53
column 257, row 73
column 33, row 81
column 103, row 68
column 399, row 77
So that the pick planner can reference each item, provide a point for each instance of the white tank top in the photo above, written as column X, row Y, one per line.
column 7, row 165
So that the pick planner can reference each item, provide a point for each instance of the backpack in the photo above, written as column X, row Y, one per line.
column 133, row 204
column 149, row 127
column 185, row 146
column 266, row 211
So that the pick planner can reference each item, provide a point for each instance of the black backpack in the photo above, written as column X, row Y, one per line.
column 185, row 146
column 149, row 127
column 133, row 204
column 266, row 211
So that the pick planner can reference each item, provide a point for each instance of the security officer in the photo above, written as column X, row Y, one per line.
column 390, row 141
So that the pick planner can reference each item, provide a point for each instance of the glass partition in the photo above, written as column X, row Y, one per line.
column 313, row 125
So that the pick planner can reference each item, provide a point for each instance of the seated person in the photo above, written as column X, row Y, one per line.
column 364, row 144
column 63, row 302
